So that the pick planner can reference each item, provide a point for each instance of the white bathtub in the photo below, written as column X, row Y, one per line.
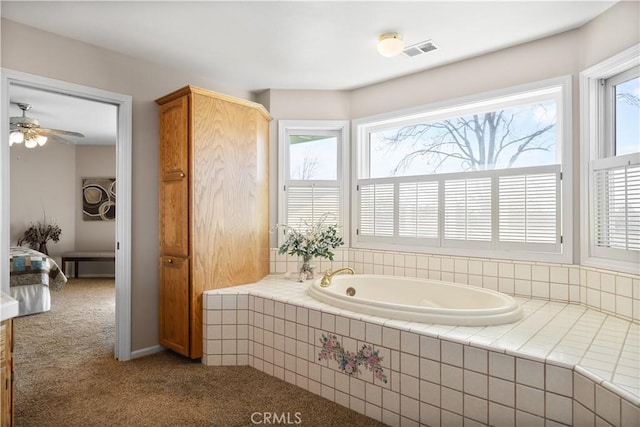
column 418, row 300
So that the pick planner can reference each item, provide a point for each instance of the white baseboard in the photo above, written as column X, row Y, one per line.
column 146, row 351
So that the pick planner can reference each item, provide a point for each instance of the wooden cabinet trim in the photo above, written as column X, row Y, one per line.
column 194, row 89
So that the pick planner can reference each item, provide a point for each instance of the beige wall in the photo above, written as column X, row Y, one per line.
column 538, row 60
column 81, row 63
column 42, row 182
column 610, row 33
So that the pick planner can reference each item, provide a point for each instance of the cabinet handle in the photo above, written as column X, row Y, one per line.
column 170, row 261
column 182, row 175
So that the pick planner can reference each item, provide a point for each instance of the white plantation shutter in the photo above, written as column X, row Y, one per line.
column 467, row 209
column 306, row 204
column 377, row 203
column 504, row 209
column 616, row 207
column 418, row 209
column 529, row 207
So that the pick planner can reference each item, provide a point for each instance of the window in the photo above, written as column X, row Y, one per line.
column 611, row 181
column 312, row 157
column 480, row 176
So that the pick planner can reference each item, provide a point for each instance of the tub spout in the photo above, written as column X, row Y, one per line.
column 326, row 279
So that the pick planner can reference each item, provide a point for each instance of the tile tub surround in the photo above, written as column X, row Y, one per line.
column 604, row 290
column 562, row 363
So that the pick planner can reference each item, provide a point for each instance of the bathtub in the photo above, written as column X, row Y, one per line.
column 418, row 300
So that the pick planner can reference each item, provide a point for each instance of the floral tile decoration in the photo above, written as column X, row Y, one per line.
column 349, row 361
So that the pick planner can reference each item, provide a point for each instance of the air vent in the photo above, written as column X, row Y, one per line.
column 419, row 48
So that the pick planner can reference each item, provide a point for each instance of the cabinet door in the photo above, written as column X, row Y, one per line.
column 174, row 136
column 174, row 216
column 174, row 177
column 174, row 304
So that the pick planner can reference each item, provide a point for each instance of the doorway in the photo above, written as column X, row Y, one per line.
column 123, row 103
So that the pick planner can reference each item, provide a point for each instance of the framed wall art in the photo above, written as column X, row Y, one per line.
column 98, row 199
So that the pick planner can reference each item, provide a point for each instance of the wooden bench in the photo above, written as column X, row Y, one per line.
column 76, row 257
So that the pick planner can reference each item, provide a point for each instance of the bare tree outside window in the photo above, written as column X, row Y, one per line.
column 313, row 157
column 308, row 169
column 629, row 98
column 513, row 137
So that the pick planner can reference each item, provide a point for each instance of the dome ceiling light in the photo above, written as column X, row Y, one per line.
column 390, row 44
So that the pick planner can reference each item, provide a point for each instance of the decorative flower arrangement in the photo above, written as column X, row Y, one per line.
column 350, row 362
column 37, row 236
column 317, row 240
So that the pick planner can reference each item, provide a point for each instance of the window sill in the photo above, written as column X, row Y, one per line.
column 466, row 252
column 612, row 264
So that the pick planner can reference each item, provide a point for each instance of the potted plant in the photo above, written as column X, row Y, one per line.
column 317, row 240
column 37, row 236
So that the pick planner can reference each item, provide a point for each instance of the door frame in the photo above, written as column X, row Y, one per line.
column 123, row 178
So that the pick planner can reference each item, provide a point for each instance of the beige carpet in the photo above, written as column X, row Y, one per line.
column 66, row 376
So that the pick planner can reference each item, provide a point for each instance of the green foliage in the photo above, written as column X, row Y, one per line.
column 40, row 233
column 317, row 240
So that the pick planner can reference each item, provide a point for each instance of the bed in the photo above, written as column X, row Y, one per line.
column 32, row 275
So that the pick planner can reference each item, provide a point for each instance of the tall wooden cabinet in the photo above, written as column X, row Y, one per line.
column 214, row 205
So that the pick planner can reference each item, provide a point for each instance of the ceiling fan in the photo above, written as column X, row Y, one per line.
column 26, row 129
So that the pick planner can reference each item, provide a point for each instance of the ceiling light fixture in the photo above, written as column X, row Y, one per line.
column 30, row 138
column 390, row 44
column 16, row 137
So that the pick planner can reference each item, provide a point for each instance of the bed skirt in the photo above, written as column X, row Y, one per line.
column 31, row 298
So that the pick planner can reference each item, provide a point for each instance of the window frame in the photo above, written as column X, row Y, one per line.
column 339, row 128
column 597, row 145
column 362, row 126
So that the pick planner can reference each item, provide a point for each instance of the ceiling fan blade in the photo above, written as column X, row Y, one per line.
column 47, row 132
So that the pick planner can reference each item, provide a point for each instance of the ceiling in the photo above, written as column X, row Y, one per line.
column 278, row 45
column 300, row 45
